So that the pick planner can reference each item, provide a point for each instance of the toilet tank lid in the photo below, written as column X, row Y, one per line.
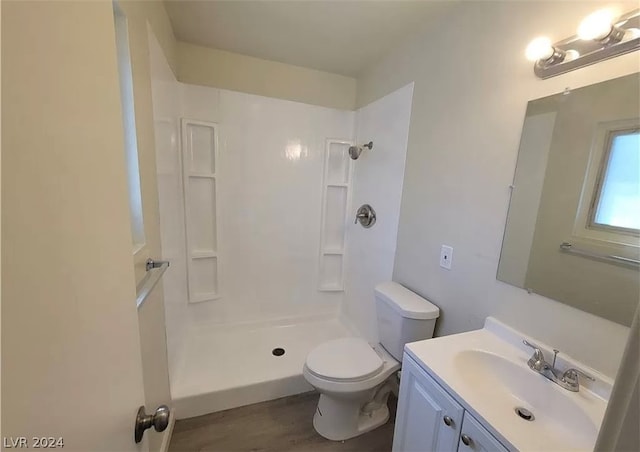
column 409, row 304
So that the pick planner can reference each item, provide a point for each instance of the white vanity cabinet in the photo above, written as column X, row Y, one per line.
column 428, row 419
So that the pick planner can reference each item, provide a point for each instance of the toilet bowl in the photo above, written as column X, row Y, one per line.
column 354, row 378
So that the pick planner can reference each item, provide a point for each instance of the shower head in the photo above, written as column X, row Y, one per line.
column 355, row 151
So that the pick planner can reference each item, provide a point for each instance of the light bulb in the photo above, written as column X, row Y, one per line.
column 539, row 49
column 596, row 26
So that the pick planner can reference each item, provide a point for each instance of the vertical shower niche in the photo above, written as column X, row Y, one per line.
column 199, row 159
column 256, row 211
column 336, row 190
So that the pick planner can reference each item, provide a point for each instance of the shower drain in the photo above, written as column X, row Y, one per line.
column 277, row 351
column 525, row 414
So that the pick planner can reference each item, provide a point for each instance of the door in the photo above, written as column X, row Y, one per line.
column 476, row 438
column 71, row 356
column 428, row 419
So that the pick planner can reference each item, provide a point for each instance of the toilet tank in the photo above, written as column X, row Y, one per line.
column 403, row 317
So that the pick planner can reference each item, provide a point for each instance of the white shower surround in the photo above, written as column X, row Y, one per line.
column 378, row 177
column 271, row 156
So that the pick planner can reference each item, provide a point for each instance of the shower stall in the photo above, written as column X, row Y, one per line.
column 257, row 202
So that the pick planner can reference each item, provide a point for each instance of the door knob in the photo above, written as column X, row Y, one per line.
column 158, row 420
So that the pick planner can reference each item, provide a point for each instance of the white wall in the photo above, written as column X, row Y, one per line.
column 377, row 180
column 154, row 15
column 472, row 85
column 217, row 68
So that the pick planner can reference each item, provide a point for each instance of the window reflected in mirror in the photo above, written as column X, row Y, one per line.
column 617, row 198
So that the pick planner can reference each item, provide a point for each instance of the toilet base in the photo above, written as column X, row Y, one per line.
column 338, row 420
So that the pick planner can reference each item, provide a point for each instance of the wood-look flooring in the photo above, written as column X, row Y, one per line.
column 283, row 425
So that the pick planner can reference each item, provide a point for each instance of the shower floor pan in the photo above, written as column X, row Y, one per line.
column 240, row 365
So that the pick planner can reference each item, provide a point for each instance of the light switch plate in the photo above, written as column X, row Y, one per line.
column 446, row 256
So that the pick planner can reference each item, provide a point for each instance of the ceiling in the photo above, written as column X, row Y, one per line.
column 339, row 36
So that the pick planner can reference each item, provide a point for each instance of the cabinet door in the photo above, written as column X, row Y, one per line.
column 428, row 419
column 475, row 437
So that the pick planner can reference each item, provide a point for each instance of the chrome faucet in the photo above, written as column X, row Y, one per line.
column 570, row 377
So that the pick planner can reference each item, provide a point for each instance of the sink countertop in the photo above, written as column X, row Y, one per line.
column 486, row 371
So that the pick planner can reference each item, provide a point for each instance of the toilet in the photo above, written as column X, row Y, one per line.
column 354, row 378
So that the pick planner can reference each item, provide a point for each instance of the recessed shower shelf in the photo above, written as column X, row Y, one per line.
column 199, row 161
column 336, row 192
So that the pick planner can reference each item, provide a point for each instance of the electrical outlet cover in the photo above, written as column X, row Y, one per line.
column 446, row 257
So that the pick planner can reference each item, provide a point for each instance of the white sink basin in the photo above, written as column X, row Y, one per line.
column 486, row 370
column 503, row 385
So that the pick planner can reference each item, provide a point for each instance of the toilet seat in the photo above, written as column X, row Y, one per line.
column 348, row 359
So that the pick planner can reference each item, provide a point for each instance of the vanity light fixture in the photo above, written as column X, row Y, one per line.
column 600, row 36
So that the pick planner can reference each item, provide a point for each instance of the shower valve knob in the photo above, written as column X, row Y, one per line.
column 366, row 216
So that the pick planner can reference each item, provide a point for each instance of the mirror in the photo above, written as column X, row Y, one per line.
column 573, row 228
